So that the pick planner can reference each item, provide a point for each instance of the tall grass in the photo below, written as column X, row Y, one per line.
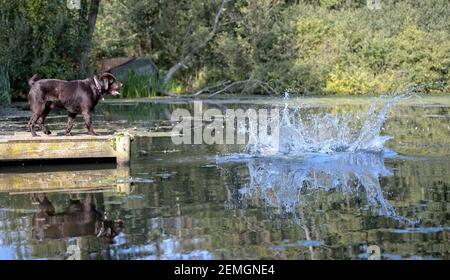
column 138, row 85
column 5, row 88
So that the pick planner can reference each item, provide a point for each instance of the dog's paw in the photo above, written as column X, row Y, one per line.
column 48, row 132
column 68, row 134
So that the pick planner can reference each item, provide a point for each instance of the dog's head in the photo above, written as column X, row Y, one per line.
column 108, row 83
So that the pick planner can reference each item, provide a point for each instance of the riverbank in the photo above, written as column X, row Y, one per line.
column 20, row 109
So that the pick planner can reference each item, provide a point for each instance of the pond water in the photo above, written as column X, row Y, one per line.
column 220, row 202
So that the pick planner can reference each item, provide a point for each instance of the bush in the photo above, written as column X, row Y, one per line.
column 361, row 51
column 338, row 47
column 43, row 37
column 304, row 46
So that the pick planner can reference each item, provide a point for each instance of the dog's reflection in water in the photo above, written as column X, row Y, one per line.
column 80, row 218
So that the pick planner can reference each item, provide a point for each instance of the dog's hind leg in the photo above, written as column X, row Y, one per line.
column 41, row 119
column 31, row 125
column 37, row 109
column 70, row 119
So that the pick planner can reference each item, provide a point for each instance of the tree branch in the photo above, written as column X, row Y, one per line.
column 195, row 49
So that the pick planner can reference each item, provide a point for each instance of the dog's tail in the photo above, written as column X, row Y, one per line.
column 32, row 80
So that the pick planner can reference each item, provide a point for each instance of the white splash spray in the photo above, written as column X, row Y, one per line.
column 323, row 133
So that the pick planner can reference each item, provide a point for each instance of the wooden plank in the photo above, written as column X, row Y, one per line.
column 25, row 149
column 21, row 147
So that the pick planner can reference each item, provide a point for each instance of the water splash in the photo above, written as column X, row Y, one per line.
column 288, row 185
column 322, row 153
column 323, row 133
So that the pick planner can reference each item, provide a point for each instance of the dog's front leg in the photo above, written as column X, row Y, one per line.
column 88, row 122
column 70, row 119
column 43, row 126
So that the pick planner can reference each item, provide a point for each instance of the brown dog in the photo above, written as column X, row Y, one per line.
column 78, row 96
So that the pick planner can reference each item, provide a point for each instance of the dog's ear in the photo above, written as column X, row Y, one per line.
column 105, row 80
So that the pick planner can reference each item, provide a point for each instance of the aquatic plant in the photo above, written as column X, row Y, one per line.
column 138, row 85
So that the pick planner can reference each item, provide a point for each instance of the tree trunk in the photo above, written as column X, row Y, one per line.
column 177, row 66
column 92, row 19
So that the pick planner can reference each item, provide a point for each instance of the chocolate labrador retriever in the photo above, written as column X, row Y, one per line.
column 78, row 96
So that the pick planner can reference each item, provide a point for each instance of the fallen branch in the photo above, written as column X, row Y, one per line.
column 245, row 84
column 228, row 87
column 211, row 88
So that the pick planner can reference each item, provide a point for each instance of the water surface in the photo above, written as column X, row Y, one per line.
column 214, row 202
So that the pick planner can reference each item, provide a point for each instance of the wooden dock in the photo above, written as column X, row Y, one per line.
column 22, row 147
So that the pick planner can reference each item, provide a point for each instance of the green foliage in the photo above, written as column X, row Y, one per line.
column 304, row 46
column 260, row 45
column 390, row 49
column 307, row 47
column 113, row 35
column 40, row 36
